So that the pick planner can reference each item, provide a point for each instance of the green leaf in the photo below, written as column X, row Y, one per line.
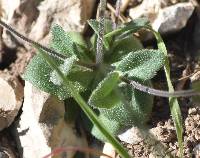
column 107, row 28
column 95, row 25
column 93, row 43
column 141, row 64
column 77, row 38
column 61, row 41
column 112, row 126
column 39, row 73
column 68, row 43
column 122, row 47
column 80, row 46
column 65, row 68
column 130, row 27
column 105, row 95
column 134, row 109
column 82, row 75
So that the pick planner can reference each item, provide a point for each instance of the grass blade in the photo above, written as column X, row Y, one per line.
column 173, row 102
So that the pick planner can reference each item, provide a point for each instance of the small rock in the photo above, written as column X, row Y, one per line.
column 164, row 18
column 131, row 136
column 163, row 134
column 109, row 150
column 42, row 128
column 147, row 8
column 34, row 18
column 192, row 111
column 148, row 138
column 71, row 15
column 172, row 19
column 21, row 15
column 11, row 93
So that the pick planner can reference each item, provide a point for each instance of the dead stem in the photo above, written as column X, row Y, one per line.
column 46, row 49
column 160, row 93
column 121, row 17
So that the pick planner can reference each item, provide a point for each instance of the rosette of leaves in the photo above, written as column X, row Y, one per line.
column 118, row 105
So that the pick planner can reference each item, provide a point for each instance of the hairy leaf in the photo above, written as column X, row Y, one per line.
column 122, row 47
column 95, row 25
column 82, row 75
column 77, row 38
column 79, row 99
column 67, row 43
column 80, row 46
column 134, row 109
column 39, row 73
column 61, row 41
column 106, row 95
column 107, row 28
column 65, row 69
column 112, row 126
column 130, row 27
column 141, row 64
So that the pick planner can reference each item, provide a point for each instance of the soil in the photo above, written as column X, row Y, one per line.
column 183, row 62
